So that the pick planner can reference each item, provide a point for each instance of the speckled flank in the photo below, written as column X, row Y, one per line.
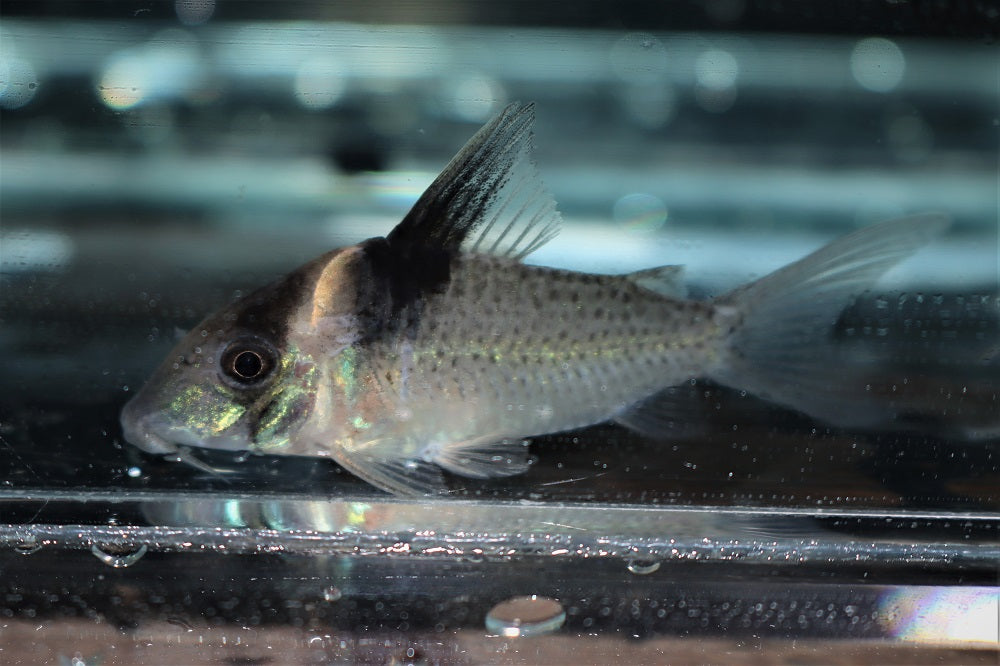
column 535, row 349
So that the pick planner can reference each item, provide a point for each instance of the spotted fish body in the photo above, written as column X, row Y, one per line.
column 436, row 348
column 508, row 350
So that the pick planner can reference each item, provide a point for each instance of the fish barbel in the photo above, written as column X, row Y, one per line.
column 436, row 348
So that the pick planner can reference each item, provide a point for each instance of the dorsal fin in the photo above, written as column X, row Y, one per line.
column 488, row 199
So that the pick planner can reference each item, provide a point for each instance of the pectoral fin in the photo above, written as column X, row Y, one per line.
column 485, row 458
column 406, row 477
column 379, row 464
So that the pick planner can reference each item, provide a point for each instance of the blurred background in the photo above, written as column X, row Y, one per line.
column 160, row 159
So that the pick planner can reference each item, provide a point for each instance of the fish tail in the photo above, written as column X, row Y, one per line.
column 780, row 344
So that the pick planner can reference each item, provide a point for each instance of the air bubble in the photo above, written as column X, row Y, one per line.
column 643, row 567
column 116, row 557
column 525, row 616
column 332, row 594
column 27, row 546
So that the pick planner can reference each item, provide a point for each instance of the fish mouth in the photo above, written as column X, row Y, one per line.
column 152, row 433
column 141, row 431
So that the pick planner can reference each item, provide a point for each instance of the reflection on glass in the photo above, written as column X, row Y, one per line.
column 943, row 615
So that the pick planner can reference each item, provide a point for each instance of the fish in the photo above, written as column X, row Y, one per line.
column 437, row 348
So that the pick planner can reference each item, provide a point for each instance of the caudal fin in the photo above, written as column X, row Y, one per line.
column 782, row 349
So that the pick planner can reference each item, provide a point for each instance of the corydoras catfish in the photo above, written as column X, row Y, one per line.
column 436, row 348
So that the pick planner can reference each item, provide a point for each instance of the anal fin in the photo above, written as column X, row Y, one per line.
column 671, row 414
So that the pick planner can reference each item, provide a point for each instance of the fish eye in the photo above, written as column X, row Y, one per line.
column 248, row 362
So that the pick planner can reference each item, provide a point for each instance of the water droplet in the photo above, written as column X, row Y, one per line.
column 117, row 557
column 134, row 472
column 525, row 616
column 410, row 657
column 332, row 594
column 643, row 567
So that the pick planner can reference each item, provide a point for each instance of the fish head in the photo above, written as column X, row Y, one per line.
column 238, row 381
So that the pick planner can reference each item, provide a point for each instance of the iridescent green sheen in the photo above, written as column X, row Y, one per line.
column 208, row 410
column 288, row 404
column 345, row 373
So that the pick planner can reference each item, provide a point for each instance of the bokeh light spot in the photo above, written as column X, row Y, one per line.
column 640, row 212
column 123, row 83
column 319, row 83
column 877, row 64
column 168, row 67
column 639, row 57
column 716, row 72
column 650, row 106
column 475, row 97
column 716, row 69
column 18, row 83
column 910, row 137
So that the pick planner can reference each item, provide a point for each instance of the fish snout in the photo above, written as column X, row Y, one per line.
column 140, row 428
